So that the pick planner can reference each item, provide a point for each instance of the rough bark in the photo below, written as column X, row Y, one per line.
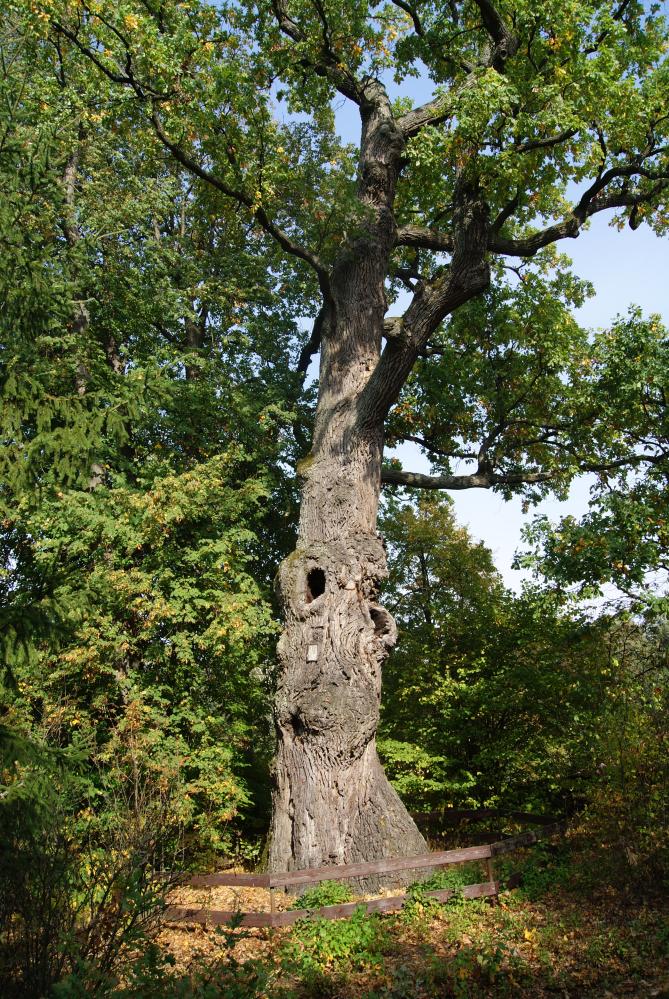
column 333, row 803
column 332, row 800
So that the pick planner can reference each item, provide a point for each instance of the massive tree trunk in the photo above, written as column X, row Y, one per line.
column 332, row 800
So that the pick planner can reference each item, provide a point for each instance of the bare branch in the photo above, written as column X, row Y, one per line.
column 556, row 140
column 529, row 245
column 436, row 111
column 592, row 202
column 116, row 76
column 477, row 480
column 467, row 274
column 433, row 449
column 485, row 478
column 433, row 113
column 617, row 16
column 507, row 211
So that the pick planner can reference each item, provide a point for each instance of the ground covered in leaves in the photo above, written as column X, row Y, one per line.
column 565, row 932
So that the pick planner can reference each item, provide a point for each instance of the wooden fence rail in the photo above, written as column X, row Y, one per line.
column 287, row 879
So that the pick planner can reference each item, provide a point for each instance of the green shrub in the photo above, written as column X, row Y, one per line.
column 476, row 969
column 80, row 851
column 420, row 906
column 544, row 870
column 326, row 893
column 151, row 975
column 453, row 878
column 317, row 945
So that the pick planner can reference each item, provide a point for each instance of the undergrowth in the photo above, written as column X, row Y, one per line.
column 545, row 940
column 325, row 893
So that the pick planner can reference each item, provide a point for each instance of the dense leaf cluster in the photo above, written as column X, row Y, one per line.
column 514, row 701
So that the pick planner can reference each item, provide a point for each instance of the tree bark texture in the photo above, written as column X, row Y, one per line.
column 332, row 801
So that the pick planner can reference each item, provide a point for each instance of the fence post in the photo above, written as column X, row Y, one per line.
column 272, row 909
column 490, row 868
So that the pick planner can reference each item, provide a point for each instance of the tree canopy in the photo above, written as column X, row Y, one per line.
column 182, row 230
column 539, row 118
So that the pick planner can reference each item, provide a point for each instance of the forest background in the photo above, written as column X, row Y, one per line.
column 154, row 411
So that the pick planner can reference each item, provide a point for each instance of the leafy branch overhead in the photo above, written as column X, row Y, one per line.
column 539, row 118
column 176, row 198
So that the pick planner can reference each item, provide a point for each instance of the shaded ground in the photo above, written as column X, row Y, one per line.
column 573, row 940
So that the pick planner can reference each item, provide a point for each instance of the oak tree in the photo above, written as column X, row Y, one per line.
column 539, row 117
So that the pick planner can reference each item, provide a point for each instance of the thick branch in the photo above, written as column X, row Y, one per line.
column 437, row 111
column 571, row 227
column 314, row 342
column 556, row 140
column 594, row 200
column 492, row 19
column 506, row 43
column 529, row 245
column 467, row 275
column 423, row 238
column 485, row 479
column 477, row 480
column 327, row 65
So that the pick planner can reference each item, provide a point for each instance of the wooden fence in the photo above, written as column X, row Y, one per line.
column 293, row 879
